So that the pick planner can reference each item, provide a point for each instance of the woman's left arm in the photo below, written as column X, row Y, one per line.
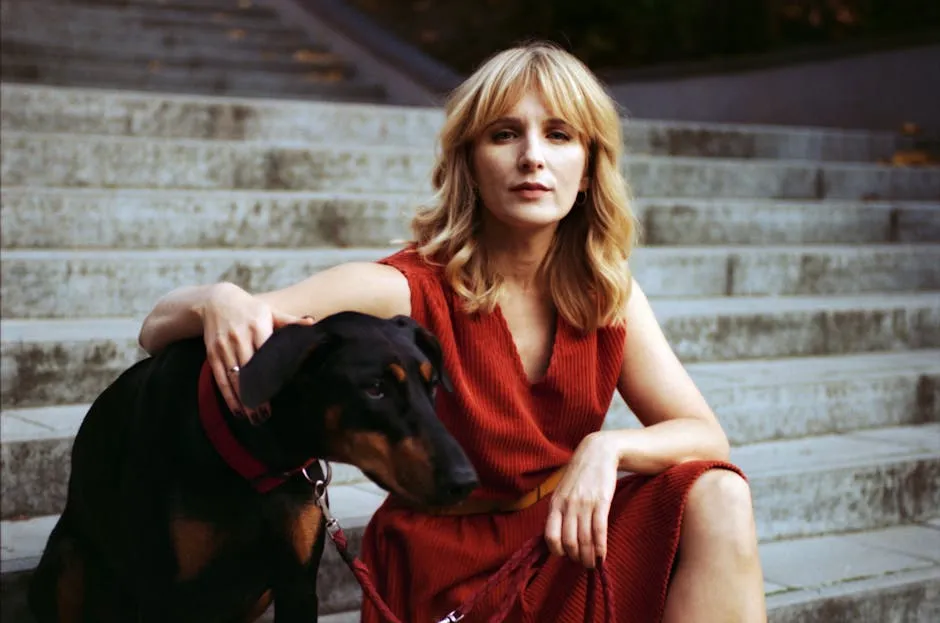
column 678, row 425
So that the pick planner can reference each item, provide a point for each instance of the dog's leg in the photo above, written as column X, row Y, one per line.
column 295, row 594
column 57, row 587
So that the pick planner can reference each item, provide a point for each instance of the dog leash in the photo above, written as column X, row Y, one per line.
column 516, row 569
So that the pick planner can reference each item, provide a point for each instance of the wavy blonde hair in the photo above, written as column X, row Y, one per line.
column 586, row 267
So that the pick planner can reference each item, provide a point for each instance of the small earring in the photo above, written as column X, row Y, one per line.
column 581, row 199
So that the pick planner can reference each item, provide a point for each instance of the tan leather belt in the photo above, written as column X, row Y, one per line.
column 480, row 507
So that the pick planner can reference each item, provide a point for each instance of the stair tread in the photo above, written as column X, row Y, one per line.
column 279, row 254
column 638, row 202
column 130, row 96
column 810, row 564
column 81, row 329
column 422, row 151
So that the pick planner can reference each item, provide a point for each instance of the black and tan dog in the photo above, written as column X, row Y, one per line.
column 179, row 511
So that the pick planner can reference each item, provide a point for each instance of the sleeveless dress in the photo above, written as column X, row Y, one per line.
column 517, row 433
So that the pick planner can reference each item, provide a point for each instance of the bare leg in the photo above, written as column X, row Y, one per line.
column 718, row 578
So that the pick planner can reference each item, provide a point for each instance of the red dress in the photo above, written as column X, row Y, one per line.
column 517, row 433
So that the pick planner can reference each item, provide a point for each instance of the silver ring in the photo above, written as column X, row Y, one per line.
column 234, row 369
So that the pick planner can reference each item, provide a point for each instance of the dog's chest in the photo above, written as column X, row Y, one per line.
column 264, row 537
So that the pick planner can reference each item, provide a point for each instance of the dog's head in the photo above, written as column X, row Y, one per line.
column 358, row 389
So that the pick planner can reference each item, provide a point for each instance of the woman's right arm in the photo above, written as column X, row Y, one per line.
column 235, row 323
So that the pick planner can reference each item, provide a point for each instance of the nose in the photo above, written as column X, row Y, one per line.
column 457, row 483
column 532, row 157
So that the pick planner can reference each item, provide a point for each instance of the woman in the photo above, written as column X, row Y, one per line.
column 520, row 269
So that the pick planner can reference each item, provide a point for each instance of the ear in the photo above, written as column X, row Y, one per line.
column 427, row 342
column 277, row 361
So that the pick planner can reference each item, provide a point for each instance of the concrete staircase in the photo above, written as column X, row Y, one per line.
column 798, row 279
column 232, row 47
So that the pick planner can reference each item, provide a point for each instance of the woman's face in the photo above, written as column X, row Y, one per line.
column 529, row 166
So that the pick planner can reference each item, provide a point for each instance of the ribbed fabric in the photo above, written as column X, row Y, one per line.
column 516, row 433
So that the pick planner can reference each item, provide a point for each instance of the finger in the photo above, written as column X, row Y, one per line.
column 586, row 538
column 222, row 379
column 281, row 319
column 569, row 534
column 553, row 532
column 244, row 349
column 599, row 523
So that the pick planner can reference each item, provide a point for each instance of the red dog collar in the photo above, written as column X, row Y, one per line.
column 262, row 477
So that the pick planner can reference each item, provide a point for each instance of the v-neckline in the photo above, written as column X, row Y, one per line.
column 517, row 358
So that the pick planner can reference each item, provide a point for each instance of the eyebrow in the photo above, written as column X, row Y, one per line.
column 518, row 121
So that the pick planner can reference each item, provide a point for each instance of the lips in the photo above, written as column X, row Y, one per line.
column 529, row 186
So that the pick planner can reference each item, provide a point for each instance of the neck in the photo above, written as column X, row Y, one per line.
column 255, row 453
column 517, row 255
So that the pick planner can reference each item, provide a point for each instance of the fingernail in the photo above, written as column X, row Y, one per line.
column 240, row 413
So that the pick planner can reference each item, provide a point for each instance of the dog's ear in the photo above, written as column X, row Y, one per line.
column 428, row 344
column 277, row 361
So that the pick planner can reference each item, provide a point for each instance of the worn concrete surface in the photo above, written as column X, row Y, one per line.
column 862, row 573
column 69, row 284
column 122, row 162
column 90, row 352
column 38, row 108
column 74, row 218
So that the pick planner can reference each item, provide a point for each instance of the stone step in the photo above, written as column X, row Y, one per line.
column 801, row 487
column 30, row 159
column 54, row 109
column 106, row 283
column 96, row 31
column 299, row 81
column 884, row 574
column 18, row 14
column 204, row 5
column 141, row 58
column 38, row 355
column 756, row 401
column 76, row 218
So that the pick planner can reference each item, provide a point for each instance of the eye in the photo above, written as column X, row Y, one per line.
column 503, row 135
column 558, row 135
column 376, row 391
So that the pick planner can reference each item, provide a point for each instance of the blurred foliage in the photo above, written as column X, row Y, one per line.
column 636, row 33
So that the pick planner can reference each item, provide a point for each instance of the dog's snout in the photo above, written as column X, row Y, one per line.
column 457, row 483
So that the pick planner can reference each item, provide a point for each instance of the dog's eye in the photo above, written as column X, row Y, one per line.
column 376, row 391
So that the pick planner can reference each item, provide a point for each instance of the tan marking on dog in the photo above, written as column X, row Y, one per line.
column 70, row 589
column 260, row 607
column 405, row 468
column 332, row 418
column 304, row 531
column 427, row 370
column 194, row 543
column 398, row 372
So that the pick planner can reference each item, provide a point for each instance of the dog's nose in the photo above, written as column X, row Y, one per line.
column 458, row 483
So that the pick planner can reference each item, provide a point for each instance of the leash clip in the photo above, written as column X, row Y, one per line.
column 319, row 491
column 452, row 617
column 332, row 526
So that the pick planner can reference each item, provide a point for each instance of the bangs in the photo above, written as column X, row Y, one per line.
column 530, row 70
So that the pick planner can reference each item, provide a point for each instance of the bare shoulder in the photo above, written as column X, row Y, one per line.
column 366, row 287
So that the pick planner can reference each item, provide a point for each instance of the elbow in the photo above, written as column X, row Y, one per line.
column 722, row 445
column 145, row 336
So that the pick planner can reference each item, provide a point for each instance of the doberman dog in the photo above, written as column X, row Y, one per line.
column 178, row 510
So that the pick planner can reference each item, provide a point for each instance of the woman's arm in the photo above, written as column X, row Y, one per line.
column 234, row 323
column 356, row 286
column 678, row 424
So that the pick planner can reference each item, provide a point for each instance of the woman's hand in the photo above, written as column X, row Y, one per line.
column 235, row 325
column 577, row 519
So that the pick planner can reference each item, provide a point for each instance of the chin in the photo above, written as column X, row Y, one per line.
column 532, row 216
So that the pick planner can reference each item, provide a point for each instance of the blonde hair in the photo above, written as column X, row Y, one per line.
column 586, row 267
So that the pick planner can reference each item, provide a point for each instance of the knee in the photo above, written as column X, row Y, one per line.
column 719, row 515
